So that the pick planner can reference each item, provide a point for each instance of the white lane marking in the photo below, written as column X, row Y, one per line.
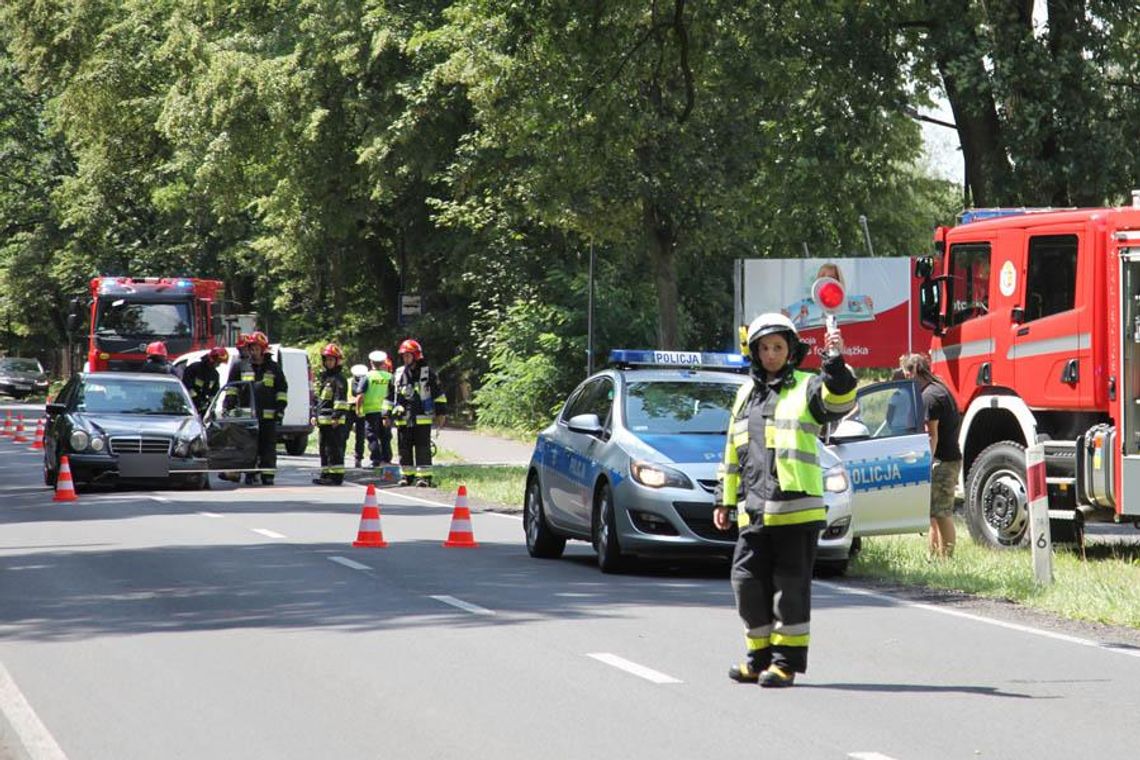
column 502, row 514
column 268, row 533
column 211, row 514
column 349, row 563
column 868, row 756
column 29, row 730
column 632, row 667
column 161, row 499
column 465, row 606
column 1108, row 647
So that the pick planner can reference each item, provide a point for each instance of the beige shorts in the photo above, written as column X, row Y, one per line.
column 943, row 481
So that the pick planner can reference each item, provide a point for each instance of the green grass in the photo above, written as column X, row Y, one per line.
column 1105, row 588
column 501, row 484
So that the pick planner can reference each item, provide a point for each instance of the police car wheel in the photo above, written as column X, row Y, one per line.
column 610, row 558
column 831, row 568
column 541, row 541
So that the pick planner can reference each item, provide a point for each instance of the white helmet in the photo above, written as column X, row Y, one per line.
column 378, row 356
column 769, row 323
column 358, row 370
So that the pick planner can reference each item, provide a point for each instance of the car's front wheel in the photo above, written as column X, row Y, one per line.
column 51, row 474
column 541, row 541
column 610, row 558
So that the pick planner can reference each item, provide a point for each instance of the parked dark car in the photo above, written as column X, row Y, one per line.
column 21, row 377
column 136, row 427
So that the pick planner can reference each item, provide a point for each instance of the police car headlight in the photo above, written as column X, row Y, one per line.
column 79, row 440
column 835, row 479
column 658, row 476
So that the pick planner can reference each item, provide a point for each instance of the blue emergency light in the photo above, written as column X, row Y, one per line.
column 682, row 359
column 982, row 214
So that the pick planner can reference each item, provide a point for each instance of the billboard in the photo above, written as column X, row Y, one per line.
column 879, row 320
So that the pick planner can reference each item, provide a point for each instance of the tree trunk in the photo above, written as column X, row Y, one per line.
column 661, row 243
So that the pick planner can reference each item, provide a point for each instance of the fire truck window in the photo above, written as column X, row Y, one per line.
column 1051, row 285
column 969, row 281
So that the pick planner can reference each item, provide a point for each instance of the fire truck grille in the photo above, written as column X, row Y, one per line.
column 123, row 444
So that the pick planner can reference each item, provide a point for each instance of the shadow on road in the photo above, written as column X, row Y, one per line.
column 911, row 688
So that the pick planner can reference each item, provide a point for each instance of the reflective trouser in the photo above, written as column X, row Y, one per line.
column 267, row 448
column 771, row 578
column 332, row 442
column 379, row 438
column 415, row 451
column 355, row 427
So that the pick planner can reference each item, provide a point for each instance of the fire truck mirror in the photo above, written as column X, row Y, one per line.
column 924, row 267
column 930, row 306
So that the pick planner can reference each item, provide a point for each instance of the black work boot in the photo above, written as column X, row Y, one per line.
column 776, row 677
column 743, row 673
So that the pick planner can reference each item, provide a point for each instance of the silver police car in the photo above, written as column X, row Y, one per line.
column 630, row 464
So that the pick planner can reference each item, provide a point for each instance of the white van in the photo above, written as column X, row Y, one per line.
column 295, row 428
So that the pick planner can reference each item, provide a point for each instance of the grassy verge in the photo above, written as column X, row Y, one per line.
column 1105, row 588
column 490, row 483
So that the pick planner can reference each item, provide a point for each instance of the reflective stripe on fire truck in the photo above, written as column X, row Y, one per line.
column 1065, row 344
column 962, row 350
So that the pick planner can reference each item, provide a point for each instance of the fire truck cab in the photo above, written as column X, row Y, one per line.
column 127, row 313
column 1036, row 321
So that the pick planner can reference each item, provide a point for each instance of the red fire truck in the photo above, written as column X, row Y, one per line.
column 1036, row 320
column 127, row 313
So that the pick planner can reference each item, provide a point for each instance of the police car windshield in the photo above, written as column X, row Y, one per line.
column 135, row 320
column 677, row 407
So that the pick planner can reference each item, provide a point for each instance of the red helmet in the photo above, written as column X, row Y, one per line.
column 243, row 340
column 219, row 354
column 257, row 338
column 334, row 351
column 158, row 348
column 412, row 347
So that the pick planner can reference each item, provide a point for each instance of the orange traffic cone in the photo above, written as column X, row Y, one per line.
column 19, row 437
column 7, row 431
column 64, row 488
column 38, row 443
column 461, row 535
column 370, row 534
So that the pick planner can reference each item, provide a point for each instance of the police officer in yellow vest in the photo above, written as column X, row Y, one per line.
column 374, row 405
column 772, row 477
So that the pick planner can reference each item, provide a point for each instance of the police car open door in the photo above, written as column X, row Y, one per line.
column 886, row 449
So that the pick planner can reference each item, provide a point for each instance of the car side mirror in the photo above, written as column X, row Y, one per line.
column 54, row 408
column 587, row 424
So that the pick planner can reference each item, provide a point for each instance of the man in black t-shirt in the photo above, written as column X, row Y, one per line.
column 942, row 423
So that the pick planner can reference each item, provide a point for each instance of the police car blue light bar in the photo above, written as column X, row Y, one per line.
column 687, row 359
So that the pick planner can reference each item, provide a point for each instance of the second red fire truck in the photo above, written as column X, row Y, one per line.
column 1036, row 320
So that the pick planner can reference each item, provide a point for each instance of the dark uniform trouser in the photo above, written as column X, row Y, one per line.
column 379, row 438
column 332, row 440
column 771, row 577
column 415, row 450
column 355, row 426
column 267, row 448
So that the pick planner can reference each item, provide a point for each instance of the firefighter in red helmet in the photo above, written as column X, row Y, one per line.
column 270, row 395
column 419, row 403
column 201, row 378
column 332, row 415
column 157, row 359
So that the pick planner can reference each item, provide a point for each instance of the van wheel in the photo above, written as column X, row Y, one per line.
column 997, row 501
column 296, row 445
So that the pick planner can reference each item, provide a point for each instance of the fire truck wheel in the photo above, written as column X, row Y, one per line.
column 997, row 506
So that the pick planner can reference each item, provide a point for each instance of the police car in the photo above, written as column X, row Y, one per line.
column 630, row 463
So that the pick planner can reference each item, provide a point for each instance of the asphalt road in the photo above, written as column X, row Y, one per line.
column 241, row 623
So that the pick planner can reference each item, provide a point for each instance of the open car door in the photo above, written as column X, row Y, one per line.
column 886, row 449
column 231, row 429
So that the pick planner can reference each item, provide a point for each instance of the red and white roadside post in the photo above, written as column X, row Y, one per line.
column 1038, row 495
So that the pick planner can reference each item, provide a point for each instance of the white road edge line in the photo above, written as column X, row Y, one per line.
column 27, row 728
column 474, row 609
column 633, row 668
column 268, row 533
column 160, row 499
column 349, row 563
column 211, row 514
column 982, row 619
column 868, row 756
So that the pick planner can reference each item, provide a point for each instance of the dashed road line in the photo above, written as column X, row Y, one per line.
column 29, row 731
column 160, row 499
column 474, row 609
column 349, row 563
column 214, row 515
column 268, row 533
column 868, row 756
column 649, row 674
